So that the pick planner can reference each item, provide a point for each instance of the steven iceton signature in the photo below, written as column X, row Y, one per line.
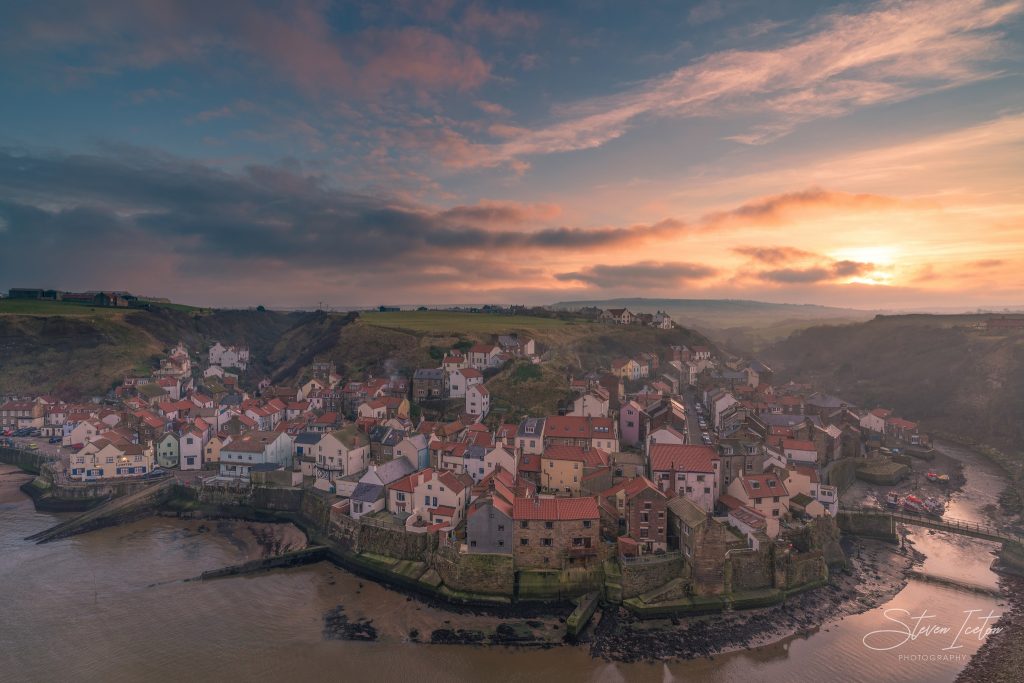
column 913, row 628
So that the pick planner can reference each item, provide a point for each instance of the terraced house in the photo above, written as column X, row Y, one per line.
column 555, row 533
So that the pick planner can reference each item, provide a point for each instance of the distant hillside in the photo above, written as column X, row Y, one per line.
column 939, row 369
column 746, row 326
column 78, row 351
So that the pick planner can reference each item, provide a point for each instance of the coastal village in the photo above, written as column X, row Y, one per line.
column 674, row 474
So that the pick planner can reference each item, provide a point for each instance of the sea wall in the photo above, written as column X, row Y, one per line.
column 650, row 572
column 474, row 572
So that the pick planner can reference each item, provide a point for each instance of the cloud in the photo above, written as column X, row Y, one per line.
column 988, row 263
column 846, row 61
column 139, row 206
column 492, row 108
column 295, row 42
column 838, row 270
column 641, row 275
column 494, row 213
column 499, row 23
column 776, row 209
column 772, row 254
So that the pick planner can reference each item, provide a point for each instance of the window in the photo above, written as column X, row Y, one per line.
column 524, row 541
column 775, row 512
column 587, row 524
column 472, row 544
column 546, row 542
column 501, row 544
column 549, row 525
column 707, row 489
column 501, row 527
column 643, row 532
column 647, row 505
column 775, row 499
column 524, row 525
column 757, row 501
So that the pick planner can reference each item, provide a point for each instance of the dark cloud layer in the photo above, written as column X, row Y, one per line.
column 141, row 206
column 641, row 275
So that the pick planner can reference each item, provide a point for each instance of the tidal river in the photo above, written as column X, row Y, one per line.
column 113, row 605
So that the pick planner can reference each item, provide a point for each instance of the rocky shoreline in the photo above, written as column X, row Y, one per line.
column 877, row 573
column 1001, row 658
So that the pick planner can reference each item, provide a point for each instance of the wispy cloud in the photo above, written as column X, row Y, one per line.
column 891, row 52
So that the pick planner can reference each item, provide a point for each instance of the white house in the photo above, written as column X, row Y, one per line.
column 874, row 421
column 461, row 379
column 478, row 400
column 415, row 449
column 500, row 456
column 251, row 450
column 340, row 453
column 229, row 356
column 483, row 356
column 690, row 471
column 800, row 451
column 190, row 449
column 590, row 405
column 430, row 497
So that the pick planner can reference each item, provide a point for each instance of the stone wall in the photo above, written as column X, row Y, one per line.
column 488, row 573
column 746, row 571
column 841, row 473
column 643, row 576
column 30, row 461
column 362, row 537
column 874, row 526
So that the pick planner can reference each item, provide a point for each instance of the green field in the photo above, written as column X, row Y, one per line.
column 453, row 322
column 35, row 307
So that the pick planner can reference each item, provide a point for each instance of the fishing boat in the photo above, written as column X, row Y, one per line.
column 932, row 476
column 892, row 499
column 943, row 479
column 913, row 504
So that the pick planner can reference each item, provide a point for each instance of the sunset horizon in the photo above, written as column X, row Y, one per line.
column 862, row 155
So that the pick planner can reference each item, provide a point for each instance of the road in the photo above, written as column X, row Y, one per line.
column 692, row 418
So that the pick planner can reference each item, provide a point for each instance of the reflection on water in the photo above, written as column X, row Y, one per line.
column 112, row 606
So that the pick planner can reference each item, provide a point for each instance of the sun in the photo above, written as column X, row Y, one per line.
column 879, row 255
column 882, row 258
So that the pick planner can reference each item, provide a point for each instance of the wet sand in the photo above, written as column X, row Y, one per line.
column 11, row 479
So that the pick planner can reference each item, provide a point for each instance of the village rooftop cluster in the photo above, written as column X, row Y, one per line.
column 674, row 449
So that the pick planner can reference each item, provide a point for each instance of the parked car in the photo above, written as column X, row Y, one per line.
column 55, row 439
column 33, row 446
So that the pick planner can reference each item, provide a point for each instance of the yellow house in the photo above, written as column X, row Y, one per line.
column 211, row 453
column 562, row 468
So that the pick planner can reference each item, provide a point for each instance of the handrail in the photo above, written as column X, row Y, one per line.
column 950, row 523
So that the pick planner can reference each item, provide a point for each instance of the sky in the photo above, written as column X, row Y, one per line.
column 861, row 154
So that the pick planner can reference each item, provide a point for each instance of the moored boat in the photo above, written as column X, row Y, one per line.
column 913, row 504
column 892, row 499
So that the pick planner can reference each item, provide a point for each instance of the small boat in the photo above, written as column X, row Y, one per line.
column 934, row 506
column 943, row 479
column 913, row 504
column 892, row 499
column 932, row 476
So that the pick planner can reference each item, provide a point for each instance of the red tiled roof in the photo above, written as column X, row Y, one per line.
column 529, row 462
column 682, row 458
column 555, row 509
column 767, row 485
column 730, row 501
column 577, row 427
column 799, row 445
column 594, row 457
